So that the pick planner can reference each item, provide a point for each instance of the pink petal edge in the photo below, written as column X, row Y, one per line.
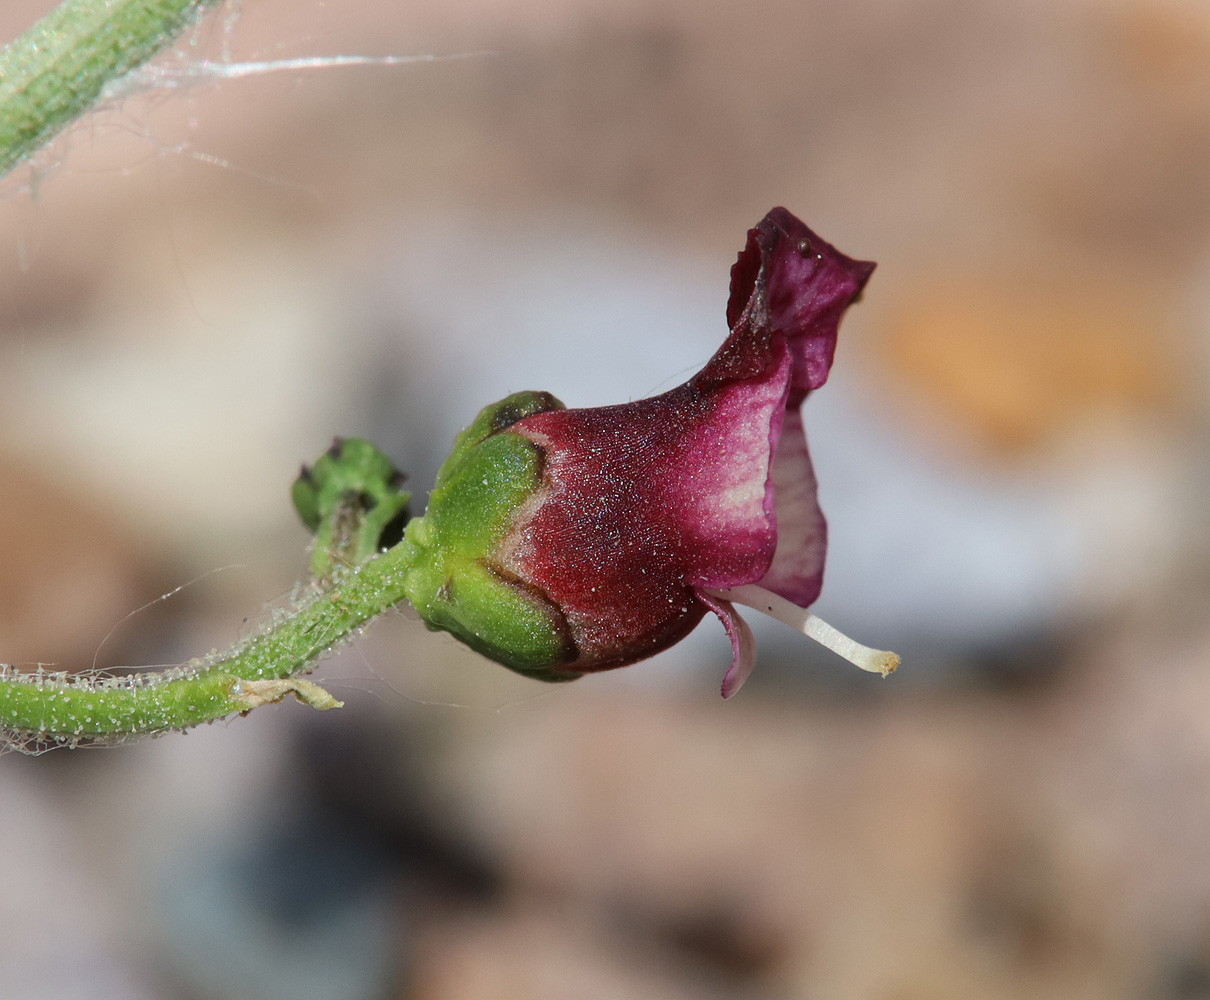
column 796, row 572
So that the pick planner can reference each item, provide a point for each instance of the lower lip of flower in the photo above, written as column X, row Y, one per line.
column 876, row 661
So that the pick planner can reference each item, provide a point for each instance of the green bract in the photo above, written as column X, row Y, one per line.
column 453, row 582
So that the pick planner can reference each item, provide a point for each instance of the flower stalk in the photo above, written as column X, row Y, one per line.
column 350, row 499
column 56, row 71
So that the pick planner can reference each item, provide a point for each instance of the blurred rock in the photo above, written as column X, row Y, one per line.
column 1018, row 364
column 60, row 937
column 302, row 911
column 71, row 570
column 541, row 955
column 192, row 419
column 1039, row 847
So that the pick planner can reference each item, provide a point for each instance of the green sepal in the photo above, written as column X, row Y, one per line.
column 493, row 419
column 502, row 619
column 351, row 500
column 453, row 582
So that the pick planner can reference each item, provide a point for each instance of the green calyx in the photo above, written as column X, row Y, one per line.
column 453, row 582
column 352, row 501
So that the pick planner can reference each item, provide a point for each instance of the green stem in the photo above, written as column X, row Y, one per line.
column 351, row 499
column 55, row 71
column 57, row 708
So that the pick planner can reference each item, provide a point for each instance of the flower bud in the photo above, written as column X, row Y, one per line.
column 559, row 541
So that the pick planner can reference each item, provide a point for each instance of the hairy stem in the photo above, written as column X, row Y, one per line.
column 51, row 708
column 350, row 499
column 55, row 71
column 299, row 638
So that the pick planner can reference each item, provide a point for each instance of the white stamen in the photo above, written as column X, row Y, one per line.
column 876, row 661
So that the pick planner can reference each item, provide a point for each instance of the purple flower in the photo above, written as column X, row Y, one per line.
column 630, row 522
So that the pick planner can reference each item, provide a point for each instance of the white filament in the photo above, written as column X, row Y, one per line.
column 876, row 661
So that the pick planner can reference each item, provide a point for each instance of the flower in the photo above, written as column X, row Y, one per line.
column 566, row 541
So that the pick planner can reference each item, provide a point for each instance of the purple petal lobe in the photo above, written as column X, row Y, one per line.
column 743, row 645
column 788, row 279
column 802, row 533
column 724, row 489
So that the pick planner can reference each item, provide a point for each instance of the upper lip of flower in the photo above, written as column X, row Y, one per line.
column 647, row 510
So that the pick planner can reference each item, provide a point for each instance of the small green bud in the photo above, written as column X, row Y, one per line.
column 454, row 582
column 351, row 500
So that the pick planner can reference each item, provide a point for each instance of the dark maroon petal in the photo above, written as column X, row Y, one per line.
column 599, row 538
column 643, row 502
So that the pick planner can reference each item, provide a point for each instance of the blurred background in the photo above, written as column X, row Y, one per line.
column 204, row 282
